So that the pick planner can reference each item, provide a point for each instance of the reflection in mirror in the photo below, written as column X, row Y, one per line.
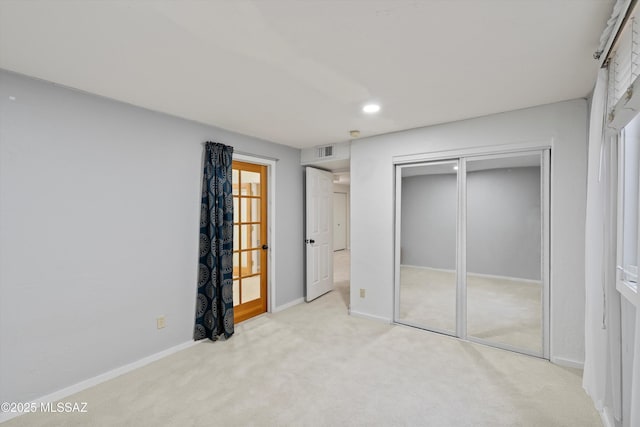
column 427, row 288
column 503, row 258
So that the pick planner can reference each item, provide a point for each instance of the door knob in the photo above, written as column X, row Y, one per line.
column 310, row 241
column 265, row 247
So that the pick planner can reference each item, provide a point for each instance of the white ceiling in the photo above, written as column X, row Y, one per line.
column 298, row 72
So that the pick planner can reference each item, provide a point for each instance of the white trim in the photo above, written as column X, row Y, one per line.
column 370, row 316
column 397, row 244
column 545, row 253
column 542, row 144
column 551, row 236
column 287, row 305
column 567, row 363
column 271, row 215
column 461, row 249
column 624, row 288
column 98, row 379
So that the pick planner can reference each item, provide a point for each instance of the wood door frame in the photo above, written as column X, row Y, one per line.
column 271, row 214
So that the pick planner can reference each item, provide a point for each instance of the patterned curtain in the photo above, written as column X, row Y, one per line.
column 214, row 304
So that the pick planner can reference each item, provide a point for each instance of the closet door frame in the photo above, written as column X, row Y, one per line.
column 480, row 153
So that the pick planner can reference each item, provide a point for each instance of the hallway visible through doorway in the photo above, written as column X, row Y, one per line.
column 342, row 274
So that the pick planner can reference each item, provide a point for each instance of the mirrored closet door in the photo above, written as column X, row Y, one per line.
column 427, row 288
column 472, row 248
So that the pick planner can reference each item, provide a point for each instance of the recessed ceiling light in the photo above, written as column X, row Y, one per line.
column 455, row 168
column 371, row 108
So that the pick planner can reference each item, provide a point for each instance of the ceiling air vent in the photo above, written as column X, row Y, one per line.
column 325, row 152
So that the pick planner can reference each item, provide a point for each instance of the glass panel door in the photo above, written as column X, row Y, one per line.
column 426, row 295
column 249, row 240
column 504, row 246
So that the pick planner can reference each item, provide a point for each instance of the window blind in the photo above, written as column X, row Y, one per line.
column 623, row 63
column 625, row 60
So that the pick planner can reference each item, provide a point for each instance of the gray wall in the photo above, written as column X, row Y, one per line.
column 429, row 220
column 99, row 214
column 503, row 222
column 562, row 125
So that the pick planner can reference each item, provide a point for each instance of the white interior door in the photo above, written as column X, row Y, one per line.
column 339, row 221
column 319, row 240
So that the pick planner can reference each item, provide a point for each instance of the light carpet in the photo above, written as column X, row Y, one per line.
column 499, row 310
column 313, row 365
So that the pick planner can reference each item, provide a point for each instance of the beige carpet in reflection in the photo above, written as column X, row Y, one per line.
column 505, row 311
column 313, row 365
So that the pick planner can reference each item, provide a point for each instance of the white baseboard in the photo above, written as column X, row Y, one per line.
column 288, row 305
column 422, row 267
column 567, row 363
column 486, row 276
column 83, row 385
column 513, row 279
column 369, row 316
